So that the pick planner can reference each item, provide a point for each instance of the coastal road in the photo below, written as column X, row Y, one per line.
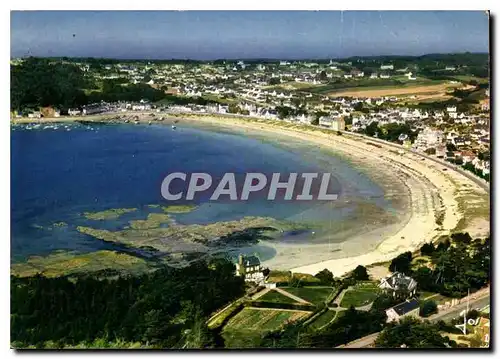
column 479, row 181
column 445, row 315
column 454, row 312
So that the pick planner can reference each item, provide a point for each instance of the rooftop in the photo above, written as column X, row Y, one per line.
column 406, row 307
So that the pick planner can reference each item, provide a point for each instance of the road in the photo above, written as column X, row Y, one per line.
column 479, row 181
column 454, row 312
column 445, row 315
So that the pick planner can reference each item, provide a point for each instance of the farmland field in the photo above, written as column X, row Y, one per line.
column 263, row 319
column 439, row 89
column 314, row 295
column 246, row 328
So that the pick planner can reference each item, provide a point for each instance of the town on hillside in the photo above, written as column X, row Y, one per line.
column 434, row 104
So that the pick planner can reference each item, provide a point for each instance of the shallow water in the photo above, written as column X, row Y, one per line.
column 61, row 171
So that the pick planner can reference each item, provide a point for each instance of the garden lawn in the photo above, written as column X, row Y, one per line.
column 314, row 295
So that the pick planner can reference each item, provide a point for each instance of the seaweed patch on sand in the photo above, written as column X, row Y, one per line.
column 113, row 213
column 185, row 208
column 141, row 233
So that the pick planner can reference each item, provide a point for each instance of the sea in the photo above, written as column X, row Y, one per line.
column 59, row 171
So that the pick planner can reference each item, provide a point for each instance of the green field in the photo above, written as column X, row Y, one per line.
column 366, row 285
column 276, row 297
column 314, row 295
column 246, row 328
column 323, row 319
column 358, row 298
column 359, row 295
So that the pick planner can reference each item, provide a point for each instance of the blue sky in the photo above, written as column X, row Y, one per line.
column 246, row 34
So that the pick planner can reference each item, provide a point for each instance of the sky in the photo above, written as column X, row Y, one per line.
column 208, row 35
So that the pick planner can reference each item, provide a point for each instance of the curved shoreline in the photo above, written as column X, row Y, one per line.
column 432, row 192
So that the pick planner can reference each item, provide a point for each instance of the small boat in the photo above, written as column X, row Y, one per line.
column 136, row 122
column 149, row 123
column 173, row 127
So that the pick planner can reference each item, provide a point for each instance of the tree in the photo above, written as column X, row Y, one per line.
column 274, row 81
column 199, row 336
column 233, row 108
column 360, row 273
column 450, row 147
column 443, row 246
column 484, row 156
column 325, row 276
column 42, row 82
column 463, row 238
column 427, row 308
column 372, row 129
column 358, row 106
column 412, row 333
column 401, row 263
column 166, row 308
column 427, row 249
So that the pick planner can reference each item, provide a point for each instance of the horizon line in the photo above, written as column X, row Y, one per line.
column 249, row 58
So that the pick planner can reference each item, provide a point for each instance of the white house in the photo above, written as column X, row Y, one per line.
column 335, row 123
column 35, row 114
column 250, row 268
column 399, row 285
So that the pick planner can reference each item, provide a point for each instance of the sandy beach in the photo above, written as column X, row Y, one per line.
column 434, row 193
column 438, row 201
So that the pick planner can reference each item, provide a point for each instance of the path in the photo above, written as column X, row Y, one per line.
column 260, row 294
column 339, row 298
column 290, row 295
column 280, row 309
column 365, row 307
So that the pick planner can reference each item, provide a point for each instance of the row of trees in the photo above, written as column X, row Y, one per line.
column 390, row 132
column 165, row 309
